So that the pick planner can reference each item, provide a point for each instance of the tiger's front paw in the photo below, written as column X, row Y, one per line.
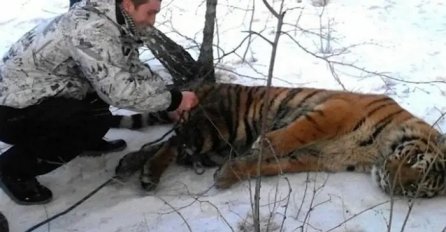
column 226, row 175
column 130, row 163
column 148, row 181
column 149, row 184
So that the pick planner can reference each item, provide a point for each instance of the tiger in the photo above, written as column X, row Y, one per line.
column 306, row 130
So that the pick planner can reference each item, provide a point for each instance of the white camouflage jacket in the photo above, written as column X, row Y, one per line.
column 88, row 48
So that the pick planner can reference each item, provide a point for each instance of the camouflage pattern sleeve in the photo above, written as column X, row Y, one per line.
column 112, row 66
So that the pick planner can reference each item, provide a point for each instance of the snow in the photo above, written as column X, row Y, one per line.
column 402, row 39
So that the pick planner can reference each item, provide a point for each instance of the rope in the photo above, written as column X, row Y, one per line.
column 73, row 206
column 175, row 126
column 159, row 139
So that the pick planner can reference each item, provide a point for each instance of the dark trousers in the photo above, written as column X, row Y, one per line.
column 49, row 134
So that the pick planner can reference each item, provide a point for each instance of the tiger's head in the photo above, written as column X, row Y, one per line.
column 197, row 136
column 414, row 168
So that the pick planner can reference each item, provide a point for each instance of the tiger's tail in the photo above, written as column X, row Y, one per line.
column 138, row 121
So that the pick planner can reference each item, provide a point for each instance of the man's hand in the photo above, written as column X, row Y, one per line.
column 189, row 101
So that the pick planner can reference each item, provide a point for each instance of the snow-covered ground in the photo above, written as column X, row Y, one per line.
column 402, row 40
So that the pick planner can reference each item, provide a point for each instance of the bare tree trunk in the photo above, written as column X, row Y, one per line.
column 184, row 69
column 206, row 57
column 279, row 15
column 174, row 57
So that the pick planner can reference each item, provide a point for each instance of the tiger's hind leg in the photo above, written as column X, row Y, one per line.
column 328, row 120
column 157, row 165
column 246, row 167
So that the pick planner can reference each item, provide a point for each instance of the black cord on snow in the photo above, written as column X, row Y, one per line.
column 72, row 207
column 149, row 144
column 175, row 126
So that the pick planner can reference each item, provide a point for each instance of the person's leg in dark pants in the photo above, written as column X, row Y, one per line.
column 3, row 223
column 44, row 137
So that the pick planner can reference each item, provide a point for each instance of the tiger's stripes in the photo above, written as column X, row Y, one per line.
column 307, row 130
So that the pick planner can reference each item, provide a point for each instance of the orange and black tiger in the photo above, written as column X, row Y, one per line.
column 307, row 130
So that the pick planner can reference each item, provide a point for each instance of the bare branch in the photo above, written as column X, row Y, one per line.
column 357, row 214
column 286, row 204
column 271, row 9
column 261, row 36
column 177, row 212
column 250, row 29
column 357, row 67
column 312, row 207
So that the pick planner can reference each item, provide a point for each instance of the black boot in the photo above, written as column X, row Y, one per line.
column 3, row 223
column 25, row 191
column 103, row 146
